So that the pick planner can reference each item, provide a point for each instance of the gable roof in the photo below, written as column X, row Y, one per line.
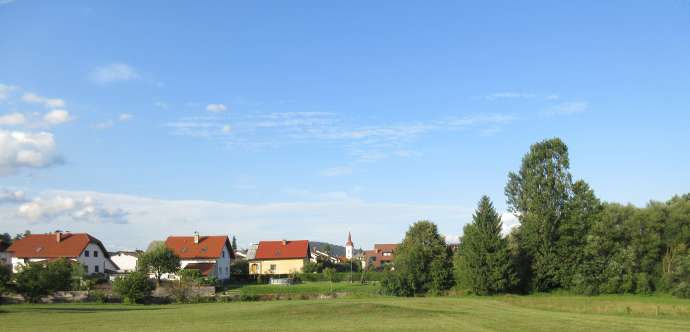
column 47, row 246
column 204, row 268
column 282, row 249
column 209, row 247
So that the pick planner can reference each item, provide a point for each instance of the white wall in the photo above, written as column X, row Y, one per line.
column 126, row 263
column 91, row 262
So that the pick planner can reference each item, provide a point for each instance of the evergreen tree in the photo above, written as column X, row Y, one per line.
column 483, row 261
column 422, row 263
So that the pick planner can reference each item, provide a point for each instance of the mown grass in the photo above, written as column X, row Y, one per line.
column 500, row 313
column 319, row 287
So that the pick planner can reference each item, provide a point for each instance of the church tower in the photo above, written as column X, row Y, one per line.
column 349, row 248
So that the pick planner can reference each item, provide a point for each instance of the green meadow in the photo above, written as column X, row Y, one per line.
column 499, row 313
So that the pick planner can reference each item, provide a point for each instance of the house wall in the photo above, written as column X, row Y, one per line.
column 91, row 262
column 282, row 266
column 126, row 263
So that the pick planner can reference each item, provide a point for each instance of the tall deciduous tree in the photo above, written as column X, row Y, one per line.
column 483, row 261
column 158, row 259
column 538, row 194
column 422, row 263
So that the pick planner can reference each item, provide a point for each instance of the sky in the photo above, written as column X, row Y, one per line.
column 269, row 120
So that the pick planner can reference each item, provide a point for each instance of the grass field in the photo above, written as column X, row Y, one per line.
column 527, row 313
column 309, row 288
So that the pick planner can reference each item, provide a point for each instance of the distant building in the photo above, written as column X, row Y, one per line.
column 211, row 255
column 279, row 257
column 381, row 254
column 125, row 260
column 318, row 255
column 349, row 247
column 5, row 256
column 77, row 247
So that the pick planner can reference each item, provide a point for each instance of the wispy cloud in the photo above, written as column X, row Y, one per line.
column 114, row 72
column 33, row 98
column 6, row 90
column 567, row 108
column 216, row 108
column 519, row 95
column 123, row 117
column 86, row 209
column 337, row 171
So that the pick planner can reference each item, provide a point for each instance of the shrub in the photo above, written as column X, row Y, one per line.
column 133, row 287
column 5, row 275
column 38, row 279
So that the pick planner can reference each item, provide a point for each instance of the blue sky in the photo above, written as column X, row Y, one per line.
column 267, row 120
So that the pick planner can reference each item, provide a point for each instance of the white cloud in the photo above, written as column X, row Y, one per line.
column 56, row 207
column 50, row 103
column 147, row 219
column 56, row 117
column 20, row 150
column 114, row 72
column 337, row 171
column 5, row 91
column 510, row 221
column 12, row 119
column 216, row 108
column 125, row 117
column 8, row 196
column 568, row 108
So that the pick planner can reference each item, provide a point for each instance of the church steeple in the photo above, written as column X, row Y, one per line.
column 349, row 247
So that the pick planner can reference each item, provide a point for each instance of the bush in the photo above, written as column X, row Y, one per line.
column 5, row 275
column 38, row 279
column 133, row 287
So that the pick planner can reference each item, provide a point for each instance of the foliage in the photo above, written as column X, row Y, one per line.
column 329, row 274
column 133, row 287
column 38, row 279
column 5, row 276
column 239, row 267
column 483, row 261
column 538, row 194
column 181, row 289
column 422, row 263
column 158, row 259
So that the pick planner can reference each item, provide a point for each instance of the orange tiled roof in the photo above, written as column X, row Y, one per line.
column 209, row 247
column 282, row 249
column 48, row 246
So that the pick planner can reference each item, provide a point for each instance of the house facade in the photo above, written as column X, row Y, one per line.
column 125, row 260
column 211, row 255
column 381, row 255
column 78, row 247
column 279, row 257
column 5, row 256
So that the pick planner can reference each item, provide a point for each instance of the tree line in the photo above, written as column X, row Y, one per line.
column 567, row 239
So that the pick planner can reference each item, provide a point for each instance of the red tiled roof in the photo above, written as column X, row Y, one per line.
column 282, row 249
column 208, row 246
column 386, row 247
column 204, row 268
column 47, row 246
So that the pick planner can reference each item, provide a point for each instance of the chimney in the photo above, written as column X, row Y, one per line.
column 196, row 237
column 285, row 242
column 58, row 236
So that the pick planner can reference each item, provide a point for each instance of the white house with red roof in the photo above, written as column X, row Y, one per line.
column 280, row 257
column 211, row 255
column 78, row 247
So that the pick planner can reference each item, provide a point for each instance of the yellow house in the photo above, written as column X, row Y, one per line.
column 280, row 257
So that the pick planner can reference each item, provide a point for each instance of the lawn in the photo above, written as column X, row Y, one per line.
column 318, row 287
column 533, row 313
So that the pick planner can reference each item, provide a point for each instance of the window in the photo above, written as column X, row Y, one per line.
column 86, row 269
column 86, row 253
column 387, row 253
column 223, row 253
column 95, row 253
column 273, row 268
column 96, row 268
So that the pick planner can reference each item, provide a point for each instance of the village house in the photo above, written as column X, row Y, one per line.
column 279, row 257
column 77, row 247
column 381, row 255
column 126, row 260
column 5, row 256
column 211, row 255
